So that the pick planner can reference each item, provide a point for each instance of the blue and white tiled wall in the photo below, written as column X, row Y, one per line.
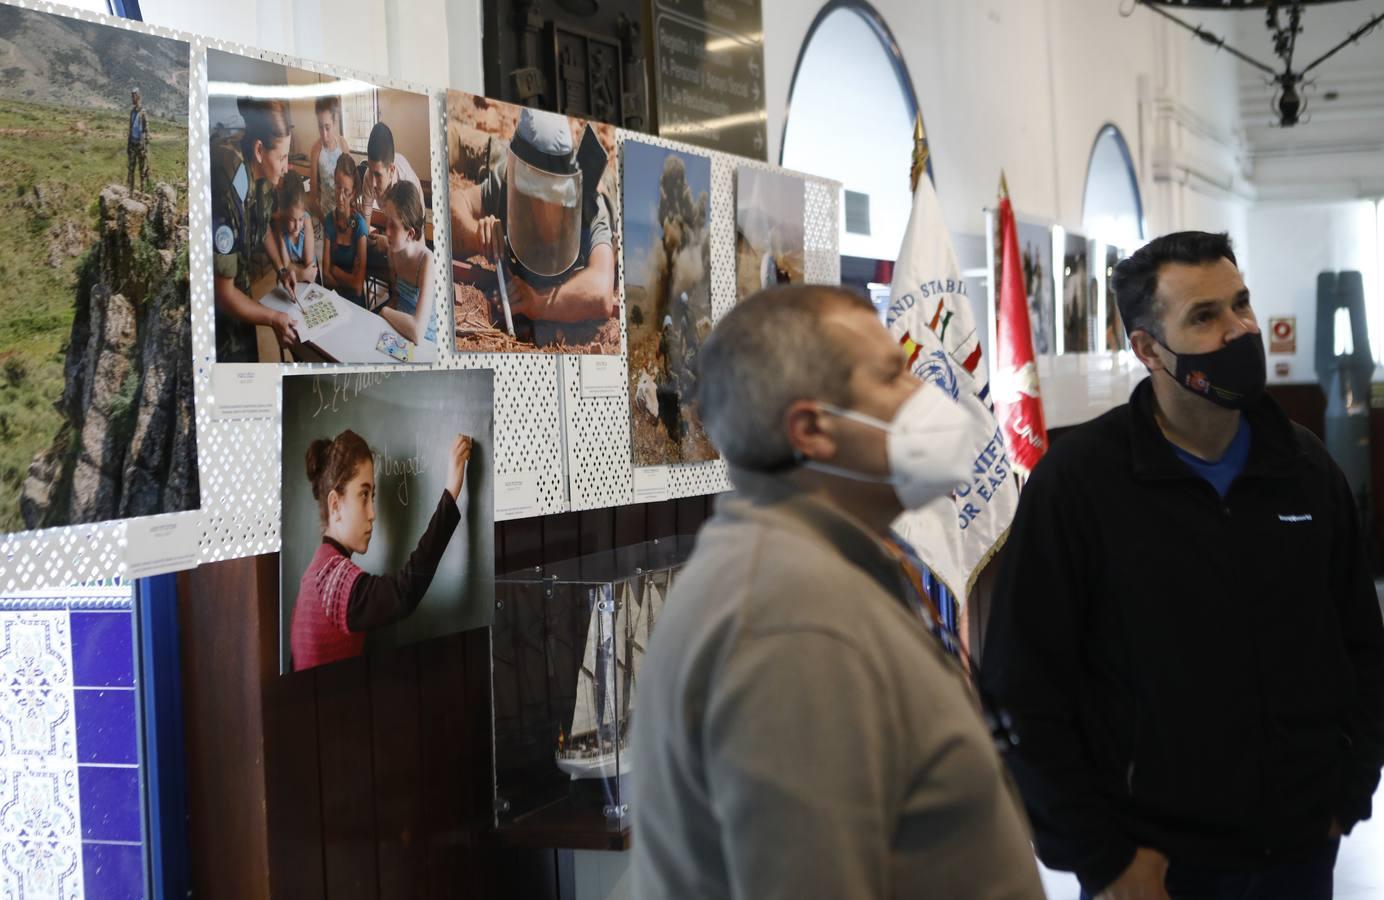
column 71, row 807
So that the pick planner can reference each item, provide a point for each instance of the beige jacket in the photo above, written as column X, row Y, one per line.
column 799, row 734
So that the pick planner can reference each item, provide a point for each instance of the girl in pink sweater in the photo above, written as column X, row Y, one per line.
column 338, row 602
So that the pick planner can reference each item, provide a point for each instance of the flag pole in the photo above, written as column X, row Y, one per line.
column 997, row 266
column 920, row 153
column 958, row 612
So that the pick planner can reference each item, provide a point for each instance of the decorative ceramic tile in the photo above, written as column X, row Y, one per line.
column 110, row 803
column 106, row 726
column 113, row 871
column 102, row 649
column 36, row 687
column 40, row 841
column 111, row 596
column 50, row 641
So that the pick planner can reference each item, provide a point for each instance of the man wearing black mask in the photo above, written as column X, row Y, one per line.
column 1184, row 628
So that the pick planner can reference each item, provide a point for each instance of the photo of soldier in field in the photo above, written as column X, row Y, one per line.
column 96, row 371
column 137, row 143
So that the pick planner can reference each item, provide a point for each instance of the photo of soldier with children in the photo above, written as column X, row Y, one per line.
column 315, row 182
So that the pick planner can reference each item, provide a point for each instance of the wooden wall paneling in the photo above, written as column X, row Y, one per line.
column 596, row 530
column 630, row 524
column 293, row 801
column 523, row 540
column 346, row 754
column 1304, row 404
column 661, row 519
column 561, row 537
column 400, row 791
column 689, row 514
column 219, row 624
column 452, row 743
column 293, row 785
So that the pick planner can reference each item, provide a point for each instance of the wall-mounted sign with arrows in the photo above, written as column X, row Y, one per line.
column 709, row 74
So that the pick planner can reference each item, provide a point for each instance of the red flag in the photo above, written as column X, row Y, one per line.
column 1018, row 401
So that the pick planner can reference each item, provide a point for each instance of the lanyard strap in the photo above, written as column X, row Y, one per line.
column 923, row 603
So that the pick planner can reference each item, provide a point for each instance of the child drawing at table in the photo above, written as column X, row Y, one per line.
column 344, row 257
column 410, row 309
column 292, row 231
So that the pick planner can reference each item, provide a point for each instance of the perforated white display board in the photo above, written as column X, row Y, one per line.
column 599, row 458
column 238, row 461
column 579, row 450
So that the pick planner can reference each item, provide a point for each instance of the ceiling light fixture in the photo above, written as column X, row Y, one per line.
column 1284, row 21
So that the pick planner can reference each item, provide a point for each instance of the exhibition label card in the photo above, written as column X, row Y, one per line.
column 650, row 484
column 244, row 392
column 601, row 376
column 516, row 495
column 158, row 544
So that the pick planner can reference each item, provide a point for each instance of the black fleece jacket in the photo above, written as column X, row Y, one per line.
column 1199, row 675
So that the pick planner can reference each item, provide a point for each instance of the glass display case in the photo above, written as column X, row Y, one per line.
column 567, row 646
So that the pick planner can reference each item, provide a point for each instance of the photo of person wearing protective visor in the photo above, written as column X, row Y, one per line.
column 534, row 239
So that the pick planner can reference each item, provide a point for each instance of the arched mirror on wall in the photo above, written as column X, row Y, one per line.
column 851, row 109
column 1111, row 208
column 1112, row 217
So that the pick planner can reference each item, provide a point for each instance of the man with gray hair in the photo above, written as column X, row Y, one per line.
column 804, row 730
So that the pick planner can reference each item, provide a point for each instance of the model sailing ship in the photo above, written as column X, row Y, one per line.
column 597, row 743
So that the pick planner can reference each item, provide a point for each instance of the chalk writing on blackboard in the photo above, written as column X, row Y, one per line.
column 334, row 391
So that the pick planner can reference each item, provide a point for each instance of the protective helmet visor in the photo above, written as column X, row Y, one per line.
column 543, row 217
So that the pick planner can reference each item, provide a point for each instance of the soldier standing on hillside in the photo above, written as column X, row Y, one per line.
column 137, row 148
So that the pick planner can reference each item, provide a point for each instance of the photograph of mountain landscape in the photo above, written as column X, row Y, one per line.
column 96, row 377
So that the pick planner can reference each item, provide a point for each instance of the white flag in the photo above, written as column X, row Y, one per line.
column 931, row 317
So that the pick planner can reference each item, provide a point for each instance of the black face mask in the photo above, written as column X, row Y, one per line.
column 1232, row 377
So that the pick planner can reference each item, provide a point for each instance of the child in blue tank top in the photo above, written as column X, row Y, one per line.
column 344, row 271
column 293, row 231
column 410, row 310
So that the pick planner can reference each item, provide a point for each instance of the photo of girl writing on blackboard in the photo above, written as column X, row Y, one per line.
column 338, row 602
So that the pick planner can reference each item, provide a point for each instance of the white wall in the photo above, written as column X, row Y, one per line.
column 1289, row 245
column 432, row 42
column 1025, row 85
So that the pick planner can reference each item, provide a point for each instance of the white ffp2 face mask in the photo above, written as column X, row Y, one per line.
column 930, row 446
